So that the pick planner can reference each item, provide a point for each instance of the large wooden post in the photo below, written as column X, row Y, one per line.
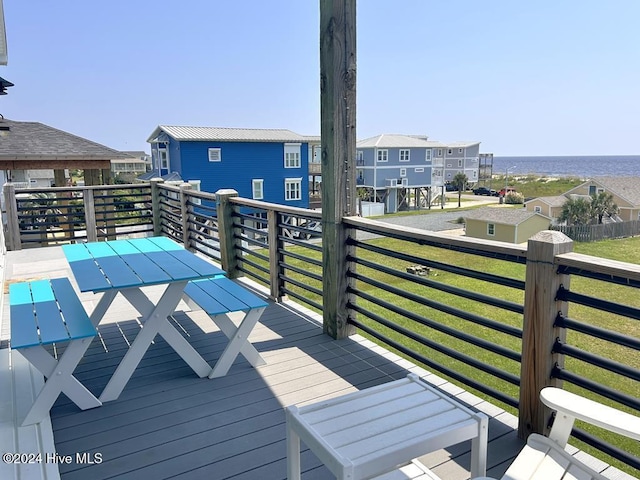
column 184, row 214
column 539, row 334
column 338, row 133
column 12, row 234
column 156, row 209
column 275, row 257
column 90, row 214
column 226, row 232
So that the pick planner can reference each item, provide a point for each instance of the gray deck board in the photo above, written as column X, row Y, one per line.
column 168, row 423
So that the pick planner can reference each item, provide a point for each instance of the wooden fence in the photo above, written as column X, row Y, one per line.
column 595, row 233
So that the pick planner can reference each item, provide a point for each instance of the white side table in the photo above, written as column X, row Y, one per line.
column 373, row 431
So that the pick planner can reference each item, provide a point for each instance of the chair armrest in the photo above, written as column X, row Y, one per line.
column 571, row 406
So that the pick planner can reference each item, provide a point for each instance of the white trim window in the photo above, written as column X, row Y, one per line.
column 459, row 150
column 292, row 189
column 292, row 155
column 459, row 163
column 450, row 151
column 382, row 155
column 360, row 157
column 403, row 172
column 537, row 209
column 427, row 155
column 215, row 154
column 163, row 153
column 418, row 170
column 439, row 152
column 491, row 229
column 405, row 155
column 257, row 188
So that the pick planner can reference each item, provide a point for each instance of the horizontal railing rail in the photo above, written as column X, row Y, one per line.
column 601, row 347
column 452, row 323
column 501, row 319
column 56, row 215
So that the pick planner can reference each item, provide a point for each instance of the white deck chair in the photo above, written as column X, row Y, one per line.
column 545, row 458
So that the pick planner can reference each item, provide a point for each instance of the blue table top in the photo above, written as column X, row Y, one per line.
column 138, row 262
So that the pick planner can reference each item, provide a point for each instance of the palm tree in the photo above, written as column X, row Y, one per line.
column 602, row 204
column 576, row 211
column 460, row 182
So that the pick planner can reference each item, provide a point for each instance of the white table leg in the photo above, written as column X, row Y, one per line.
column 183, row 348
column 293, row 450
column 141, row 302
column 59, row 374
column 150, row 327
column 479, row 448
column 103, row 305
column 236, row 343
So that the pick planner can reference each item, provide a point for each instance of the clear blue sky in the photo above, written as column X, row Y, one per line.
column 544, row 77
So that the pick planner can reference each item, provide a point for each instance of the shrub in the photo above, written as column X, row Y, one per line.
column 514, row 198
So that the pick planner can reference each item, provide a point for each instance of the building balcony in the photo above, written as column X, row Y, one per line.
column 315, row 168
column 490, row 325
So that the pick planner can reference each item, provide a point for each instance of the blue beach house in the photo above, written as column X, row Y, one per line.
column 264, row 164
column 390, row 166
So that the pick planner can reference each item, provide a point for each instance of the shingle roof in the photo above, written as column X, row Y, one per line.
column 552, row 201
column 222, row 134
column 36, row 141
column 627, row 188
column 506, row 216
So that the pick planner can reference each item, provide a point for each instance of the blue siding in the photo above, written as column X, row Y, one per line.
column 175, row 164
column 391, row 168
column 240, row 164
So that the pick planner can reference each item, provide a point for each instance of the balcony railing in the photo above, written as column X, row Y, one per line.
column 500, row 319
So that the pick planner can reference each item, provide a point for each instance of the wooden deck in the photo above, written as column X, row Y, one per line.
column 170, row 424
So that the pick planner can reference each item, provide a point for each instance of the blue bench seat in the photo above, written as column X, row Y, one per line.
column 45, row 312
column 219, row 297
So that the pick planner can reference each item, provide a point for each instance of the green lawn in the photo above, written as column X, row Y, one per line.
column 624, row 250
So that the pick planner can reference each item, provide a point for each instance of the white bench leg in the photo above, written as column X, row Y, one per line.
column 237, row 341
column 59, row 374
column 229, row 328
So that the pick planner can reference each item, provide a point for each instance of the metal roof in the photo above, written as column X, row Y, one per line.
column 36, row 141
column 223, row 134
column 387, row 140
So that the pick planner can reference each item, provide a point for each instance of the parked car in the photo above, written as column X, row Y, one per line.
column 313, row 229
column 506, row 190
column 450, row 187
column 485, row 191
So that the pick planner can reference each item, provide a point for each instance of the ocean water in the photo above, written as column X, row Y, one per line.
column 570, row 166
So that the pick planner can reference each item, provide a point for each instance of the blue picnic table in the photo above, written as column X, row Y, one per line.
column 126, row 267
